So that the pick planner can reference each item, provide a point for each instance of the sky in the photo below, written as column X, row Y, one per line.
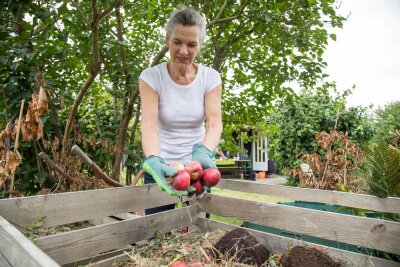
column 367, row 52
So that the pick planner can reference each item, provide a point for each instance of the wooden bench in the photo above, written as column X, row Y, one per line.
column 102, row 244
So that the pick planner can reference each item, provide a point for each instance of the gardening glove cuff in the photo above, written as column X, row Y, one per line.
column 203, row 155
column 157, row 168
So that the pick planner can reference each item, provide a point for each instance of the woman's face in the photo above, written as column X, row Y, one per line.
column 184, row 45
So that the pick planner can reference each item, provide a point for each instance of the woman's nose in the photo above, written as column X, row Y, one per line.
column 183, row 49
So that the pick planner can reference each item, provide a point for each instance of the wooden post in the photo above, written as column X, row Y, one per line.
column 17, row 250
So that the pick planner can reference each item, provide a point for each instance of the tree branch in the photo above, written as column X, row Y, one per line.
column 115, row 93
column 109, row 10
column 218, row 18
column 219, row 15
column 87, row 24
column 126, row 115
column 159, row 56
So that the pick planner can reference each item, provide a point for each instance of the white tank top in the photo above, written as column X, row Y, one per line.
column 181, row 111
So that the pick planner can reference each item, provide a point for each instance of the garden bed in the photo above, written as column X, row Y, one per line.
column 115, row 239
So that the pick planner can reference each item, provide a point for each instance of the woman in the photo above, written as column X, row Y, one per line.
column 176, row 98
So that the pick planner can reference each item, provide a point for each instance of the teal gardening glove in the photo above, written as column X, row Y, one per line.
column 157, row 168
column 203, row 155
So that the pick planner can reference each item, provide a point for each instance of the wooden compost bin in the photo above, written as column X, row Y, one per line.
column 105, row 242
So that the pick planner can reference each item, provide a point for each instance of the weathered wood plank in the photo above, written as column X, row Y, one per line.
column 368, row 202
column 98, row 258
column 3, row 261
column 72, row 207
column 75, row 245
column 282, row 244
column 17, row 250
column 366, row 232
column 109, row 262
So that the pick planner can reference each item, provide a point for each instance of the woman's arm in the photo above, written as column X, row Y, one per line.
column 221, row 154
column 214, row 118
column 149, row 107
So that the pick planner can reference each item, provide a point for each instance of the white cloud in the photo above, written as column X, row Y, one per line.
column 367, row 52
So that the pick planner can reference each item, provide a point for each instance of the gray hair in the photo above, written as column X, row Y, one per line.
column 186, row 17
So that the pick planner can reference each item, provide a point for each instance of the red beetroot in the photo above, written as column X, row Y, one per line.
column 199, row 186
column 177, row 166
column 194, row 169
column 211, row 177
column 181, row 180
column 179, row 264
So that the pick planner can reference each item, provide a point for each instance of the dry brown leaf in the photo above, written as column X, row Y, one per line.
column 46, row 143
column 278, row 258
column 42, row 102
column 3, row 176
column 32, row 114
column 39, row 133
column 2, row 135
column 24, row 131
column 7, row 130
column 14, row 132
column 14, row 159
column 2, row 156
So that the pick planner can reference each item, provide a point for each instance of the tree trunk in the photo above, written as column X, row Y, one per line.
column 120, row 147
column 95, row 69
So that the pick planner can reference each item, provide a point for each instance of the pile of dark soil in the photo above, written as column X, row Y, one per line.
column 240, row 246
column 309, row 257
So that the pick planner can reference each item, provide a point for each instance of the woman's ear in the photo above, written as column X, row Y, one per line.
column 167, row 42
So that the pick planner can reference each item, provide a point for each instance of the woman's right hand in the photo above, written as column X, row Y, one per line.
column 157, row 168
column 202, row 154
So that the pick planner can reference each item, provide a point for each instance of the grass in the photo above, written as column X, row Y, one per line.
column 243, row 195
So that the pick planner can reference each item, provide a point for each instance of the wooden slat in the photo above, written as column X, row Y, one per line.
column 3, row 261
column 72, row 207
column 282, row 244
column 98, row 258
column 109, row 262
column 366, row 232
column 17, row 250
column 75, row 245
column 368, row 202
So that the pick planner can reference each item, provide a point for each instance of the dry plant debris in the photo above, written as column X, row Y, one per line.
column 163, row 250
column 31, row 127
column 36, row 230
column 333, row 169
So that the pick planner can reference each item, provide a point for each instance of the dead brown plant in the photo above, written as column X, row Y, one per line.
column 335, row 167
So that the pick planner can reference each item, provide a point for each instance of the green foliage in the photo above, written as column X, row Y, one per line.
column 383, row 163
column 258, row 47
column 387, row 120
column 271, row 45
column 298, row 119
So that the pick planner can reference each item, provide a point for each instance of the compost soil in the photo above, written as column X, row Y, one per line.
column 241, row 246
column 309, row 257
